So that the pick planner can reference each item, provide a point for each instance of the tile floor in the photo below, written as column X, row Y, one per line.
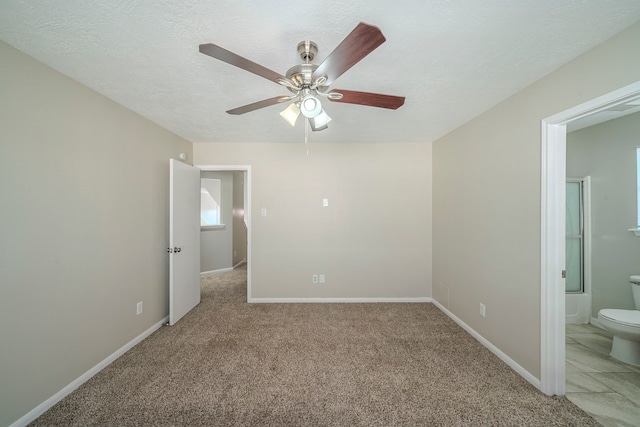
column 605, row 388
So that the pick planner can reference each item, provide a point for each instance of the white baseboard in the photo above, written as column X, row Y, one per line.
column 44, row 406
column 495, row 350
column 336, row 300
column 222, row 270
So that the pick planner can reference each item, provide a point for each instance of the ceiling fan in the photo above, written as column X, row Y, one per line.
column 308, row 81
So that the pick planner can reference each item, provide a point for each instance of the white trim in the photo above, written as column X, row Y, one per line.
column 212, row 227
column 337, row 300
column 247, row 210
column 552, row 307
column 635, row 231
column 220, row 270
column 224, row 270
column 553, row 176
column 616, row 97
column 47, row 404
column 495, row 350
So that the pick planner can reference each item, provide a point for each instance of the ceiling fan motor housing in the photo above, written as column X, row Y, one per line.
column 301, row 74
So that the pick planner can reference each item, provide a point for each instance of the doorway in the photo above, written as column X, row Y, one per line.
column 552, row 236
column 245, row 220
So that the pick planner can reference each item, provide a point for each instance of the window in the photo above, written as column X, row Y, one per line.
column 210, row 212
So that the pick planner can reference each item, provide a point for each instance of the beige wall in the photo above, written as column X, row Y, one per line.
column 372, row 241
column 486, row 198
column 607, row 152
column 84, row 229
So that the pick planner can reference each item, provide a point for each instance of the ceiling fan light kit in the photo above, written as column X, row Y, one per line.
column 320, row 122
column 308, row 81
column 310, row 106
column 291, row 113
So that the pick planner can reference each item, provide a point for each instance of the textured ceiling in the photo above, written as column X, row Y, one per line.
column 451, row 59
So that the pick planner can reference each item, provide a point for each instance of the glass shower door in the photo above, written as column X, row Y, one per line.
column 574, row 241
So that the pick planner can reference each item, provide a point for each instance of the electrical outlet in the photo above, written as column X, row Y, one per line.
column 314, row 279
column 139, row 308
column 483, row 310
column 321, row 278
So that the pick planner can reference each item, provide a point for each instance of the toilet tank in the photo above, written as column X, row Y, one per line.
column 635, row 289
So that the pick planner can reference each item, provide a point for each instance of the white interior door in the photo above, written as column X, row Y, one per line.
column 184, row 239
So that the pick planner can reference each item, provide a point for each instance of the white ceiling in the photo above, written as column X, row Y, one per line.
column 451, row 59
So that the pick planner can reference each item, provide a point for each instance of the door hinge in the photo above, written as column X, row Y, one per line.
column 564, row 274
column 170, row 250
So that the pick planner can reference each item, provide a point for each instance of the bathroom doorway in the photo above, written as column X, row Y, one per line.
column 552, row 248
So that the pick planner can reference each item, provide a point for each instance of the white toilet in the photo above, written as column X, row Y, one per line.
column 625, row 327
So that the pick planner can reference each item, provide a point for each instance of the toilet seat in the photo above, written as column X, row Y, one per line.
column 629, row 318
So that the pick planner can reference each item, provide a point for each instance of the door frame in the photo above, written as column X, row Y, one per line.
column 247, row 209
column 552, row 235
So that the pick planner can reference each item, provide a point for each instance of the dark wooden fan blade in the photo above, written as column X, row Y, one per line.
column 360, row 42
column 260, row 104
column 231, row 58
column 371, row 99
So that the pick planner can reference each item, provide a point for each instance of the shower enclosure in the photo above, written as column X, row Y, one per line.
column 578, row 253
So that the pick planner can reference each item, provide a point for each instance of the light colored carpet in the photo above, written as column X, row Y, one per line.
column 229, row 363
